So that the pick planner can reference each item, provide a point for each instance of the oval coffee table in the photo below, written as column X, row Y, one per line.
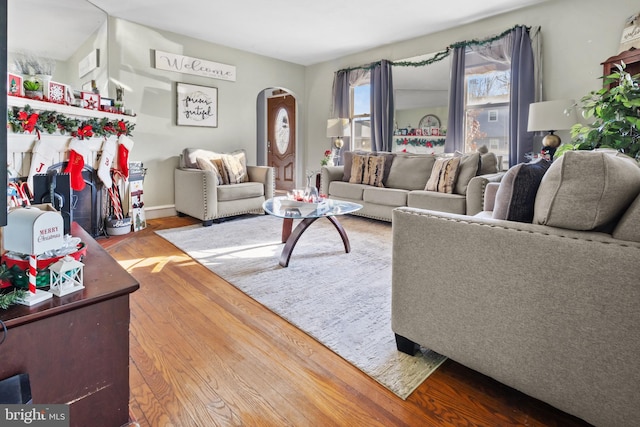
column 289, row 210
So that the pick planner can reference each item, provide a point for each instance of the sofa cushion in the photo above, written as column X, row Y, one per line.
column 348, row 162
column 443, row 175
column 244, row 190
column 584, row 190
column 488, row 164
column 345, row 190
column 410, row 172
column 434, row 201
column 468, row 168
column 385, row 196
column 516, row 194
column 189, row 156
column 627, row 228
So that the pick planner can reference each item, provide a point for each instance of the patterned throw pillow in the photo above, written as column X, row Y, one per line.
column 357, row 168
column 443, row 175
column 374, row 171
column 236, row 166
column 209, row 165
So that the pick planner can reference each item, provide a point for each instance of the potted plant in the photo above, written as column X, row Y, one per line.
column 32, row 89
column 616, row 112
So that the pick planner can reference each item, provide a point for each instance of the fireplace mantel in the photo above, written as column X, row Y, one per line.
column 16, row 101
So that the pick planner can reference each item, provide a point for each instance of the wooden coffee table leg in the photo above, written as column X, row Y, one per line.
column 287, row 226
column 343, row 234
column 293, row 239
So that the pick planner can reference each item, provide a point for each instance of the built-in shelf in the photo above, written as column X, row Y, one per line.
column 16, row 101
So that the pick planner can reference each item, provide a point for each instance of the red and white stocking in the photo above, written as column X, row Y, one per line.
column 124, row 147
column 106, row 161
column 77, row 153
column 42, row 158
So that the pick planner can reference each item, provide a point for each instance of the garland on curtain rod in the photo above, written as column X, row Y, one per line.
column 439, row 56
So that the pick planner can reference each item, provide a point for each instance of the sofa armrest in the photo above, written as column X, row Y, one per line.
column 476, row 190
column 490, row 191
column 538, row 308
column 328, row 174
column 195, row 193
column 265, row 175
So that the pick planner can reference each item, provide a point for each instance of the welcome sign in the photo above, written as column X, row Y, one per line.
column 198, row 67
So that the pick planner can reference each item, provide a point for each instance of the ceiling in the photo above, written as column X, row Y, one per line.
column 306, row 31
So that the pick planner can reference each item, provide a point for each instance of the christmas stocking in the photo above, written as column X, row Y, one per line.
column 77, row 152
column 42, row 157
column 125, row 145
column 106, row 161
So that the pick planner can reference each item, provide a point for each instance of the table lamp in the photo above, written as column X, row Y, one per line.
column 551, row 116
column 337, row 128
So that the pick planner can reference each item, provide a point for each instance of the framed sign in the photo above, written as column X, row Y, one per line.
column 198, row 67
column 197, row 105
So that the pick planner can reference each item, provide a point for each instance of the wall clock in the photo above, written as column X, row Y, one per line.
column 428, row 121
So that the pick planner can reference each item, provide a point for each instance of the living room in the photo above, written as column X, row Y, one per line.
column 297, row 381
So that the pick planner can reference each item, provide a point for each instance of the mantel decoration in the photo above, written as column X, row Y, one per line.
column 616, row 109
column 26, row 119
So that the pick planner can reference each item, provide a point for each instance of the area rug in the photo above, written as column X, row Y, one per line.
column 341, row 299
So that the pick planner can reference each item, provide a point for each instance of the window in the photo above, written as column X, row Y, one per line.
column 361, row 117
column 487, row 90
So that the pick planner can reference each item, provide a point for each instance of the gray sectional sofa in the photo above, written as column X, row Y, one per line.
column 404, row 180
column 550, row 307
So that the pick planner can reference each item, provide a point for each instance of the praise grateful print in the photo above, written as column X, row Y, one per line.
column 197, row 105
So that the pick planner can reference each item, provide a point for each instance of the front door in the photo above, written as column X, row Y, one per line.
column 281, row 143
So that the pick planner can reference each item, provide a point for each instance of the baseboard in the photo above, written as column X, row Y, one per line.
column 154, row 212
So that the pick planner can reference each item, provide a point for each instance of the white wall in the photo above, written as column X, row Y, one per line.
column 151, row 94
column 577, row 36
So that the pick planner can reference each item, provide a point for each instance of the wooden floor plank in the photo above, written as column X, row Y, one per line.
column 205, row 354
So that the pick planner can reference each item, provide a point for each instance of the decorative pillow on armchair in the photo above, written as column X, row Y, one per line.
column 585, row 190
column 236, row 166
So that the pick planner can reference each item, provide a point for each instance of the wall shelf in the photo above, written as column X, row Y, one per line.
column 15, row 101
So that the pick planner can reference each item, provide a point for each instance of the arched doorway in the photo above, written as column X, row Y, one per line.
column 277, row 136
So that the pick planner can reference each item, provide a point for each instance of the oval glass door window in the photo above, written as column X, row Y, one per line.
column 282, row 130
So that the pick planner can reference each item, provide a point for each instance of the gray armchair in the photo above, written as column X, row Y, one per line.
column 198, row 193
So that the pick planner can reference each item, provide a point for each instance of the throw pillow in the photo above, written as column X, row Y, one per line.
column 443, row 175
column 374, row 171
column 516, row 194
column 468, row 168
column 357, row 168
column 584, row 190
column 236, row 166
column 224, row 176
column 488, row 164
column 209, row 165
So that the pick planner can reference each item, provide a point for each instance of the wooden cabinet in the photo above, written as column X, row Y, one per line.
column 76, row 348
column 630, row 57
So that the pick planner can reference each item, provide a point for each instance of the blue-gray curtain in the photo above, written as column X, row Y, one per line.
column 341, row 103
column 455, row 124
column 523, row 89
column 382, row 108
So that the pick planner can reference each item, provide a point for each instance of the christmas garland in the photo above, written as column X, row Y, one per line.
column 420, row 142
column 27, row 120
column 11, row 298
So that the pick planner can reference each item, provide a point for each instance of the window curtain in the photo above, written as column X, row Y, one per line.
column 455, row 124
column 523, row 93
column 343, row 80
column 382, row 108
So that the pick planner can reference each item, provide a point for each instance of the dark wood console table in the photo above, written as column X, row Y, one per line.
column 76, row 348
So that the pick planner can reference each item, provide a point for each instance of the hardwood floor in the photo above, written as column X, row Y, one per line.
column 204, row 354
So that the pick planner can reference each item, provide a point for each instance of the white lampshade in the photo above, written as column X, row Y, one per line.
column 552, row 115
column 338, row 128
